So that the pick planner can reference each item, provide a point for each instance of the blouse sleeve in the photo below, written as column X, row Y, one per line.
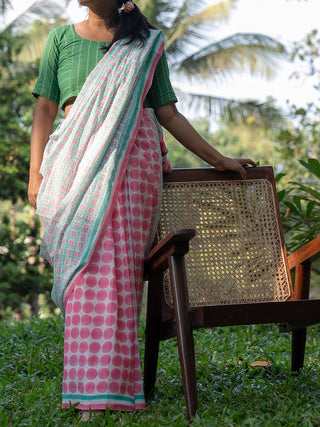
column 161, row 91
column 47, row 83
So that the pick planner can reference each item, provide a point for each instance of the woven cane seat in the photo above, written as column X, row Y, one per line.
column 237, row 254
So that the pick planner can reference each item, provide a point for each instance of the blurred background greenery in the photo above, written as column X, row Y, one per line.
column 286, row 138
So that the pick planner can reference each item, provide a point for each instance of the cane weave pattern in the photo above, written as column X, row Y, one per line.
column 236, row 255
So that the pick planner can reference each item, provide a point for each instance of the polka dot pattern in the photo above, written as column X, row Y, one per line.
column 101, row 363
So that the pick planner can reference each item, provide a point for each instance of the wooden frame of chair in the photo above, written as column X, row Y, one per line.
column 164, row 322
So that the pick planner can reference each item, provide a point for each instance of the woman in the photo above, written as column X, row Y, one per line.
column 96, row 183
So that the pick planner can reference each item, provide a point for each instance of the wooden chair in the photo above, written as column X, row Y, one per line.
column 221, row 260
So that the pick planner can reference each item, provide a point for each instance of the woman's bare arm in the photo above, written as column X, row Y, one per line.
column 172, row 120
column 44, row 115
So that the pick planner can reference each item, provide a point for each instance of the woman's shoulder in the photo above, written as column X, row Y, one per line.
column 61, row 31
column 61, row 37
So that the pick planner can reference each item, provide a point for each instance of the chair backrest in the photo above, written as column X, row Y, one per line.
column 238, row 254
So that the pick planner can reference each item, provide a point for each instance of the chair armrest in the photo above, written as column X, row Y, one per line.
column 309, row 252
column 300, row 261
column 174, row 244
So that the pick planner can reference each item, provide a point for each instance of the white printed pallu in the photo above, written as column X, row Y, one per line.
column 100, row 200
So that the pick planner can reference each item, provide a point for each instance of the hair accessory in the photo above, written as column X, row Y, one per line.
column 126, row 7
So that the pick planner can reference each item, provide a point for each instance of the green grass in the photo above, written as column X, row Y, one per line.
column 231, row 392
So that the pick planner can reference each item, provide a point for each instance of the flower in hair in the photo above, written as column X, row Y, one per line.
column 126, row 7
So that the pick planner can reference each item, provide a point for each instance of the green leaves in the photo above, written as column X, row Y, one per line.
column 300, row 205
column 281, row 195
column 312, row 165
column 16, row 105
column 23, row 274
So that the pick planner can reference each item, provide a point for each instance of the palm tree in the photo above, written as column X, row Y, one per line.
column 5, row 5
column 37, row 9
column 32, row 26
column 187, row 24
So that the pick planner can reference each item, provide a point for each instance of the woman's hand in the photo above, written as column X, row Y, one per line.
column 236, row 165
column 33, row 189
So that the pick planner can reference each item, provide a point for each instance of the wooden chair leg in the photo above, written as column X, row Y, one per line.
column 184, row 333
column 152, row 334
column 298, row 348
column 302, row 286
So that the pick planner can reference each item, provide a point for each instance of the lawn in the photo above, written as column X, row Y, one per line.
column 231, row 391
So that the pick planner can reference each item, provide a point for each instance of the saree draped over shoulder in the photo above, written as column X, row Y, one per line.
column 99, row 200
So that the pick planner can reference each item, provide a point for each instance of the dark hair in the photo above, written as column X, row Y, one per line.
column 132, row 25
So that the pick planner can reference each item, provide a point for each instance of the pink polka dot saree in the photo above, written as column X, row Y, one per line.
column 100, row 202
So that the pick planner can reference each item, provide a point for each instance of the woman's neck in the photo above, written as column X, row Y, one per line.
column 97, row 22
column 96, row 27
column 100, row 10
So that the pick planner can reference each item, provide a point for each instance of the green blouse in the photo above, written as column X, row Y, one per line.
column 68, row 59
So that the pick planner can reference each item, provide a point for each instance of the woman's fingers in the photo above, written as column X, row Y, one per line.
column 33, row 190
column 242, row 172
column 244, row 162
column 33, row 200
column 236, row 165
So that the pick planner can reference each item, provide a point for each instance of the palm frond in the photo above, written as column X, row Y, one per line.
column 217, row 12
column 240, row 52
column 231, row 111
column 36, row 10
column 5, row 5
column 159, row 12
column 189, row 18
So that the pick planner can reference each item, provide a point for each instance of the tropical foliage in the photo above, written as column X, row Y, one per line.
column 40, row 8
column 20, row 265
column 301, row 139
column 301, row 206
column 299, row 148
column 193, row 51
column 187, row 25
column 15, row 118
column 191, row 48
column 5, row 5
column 23, row 275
